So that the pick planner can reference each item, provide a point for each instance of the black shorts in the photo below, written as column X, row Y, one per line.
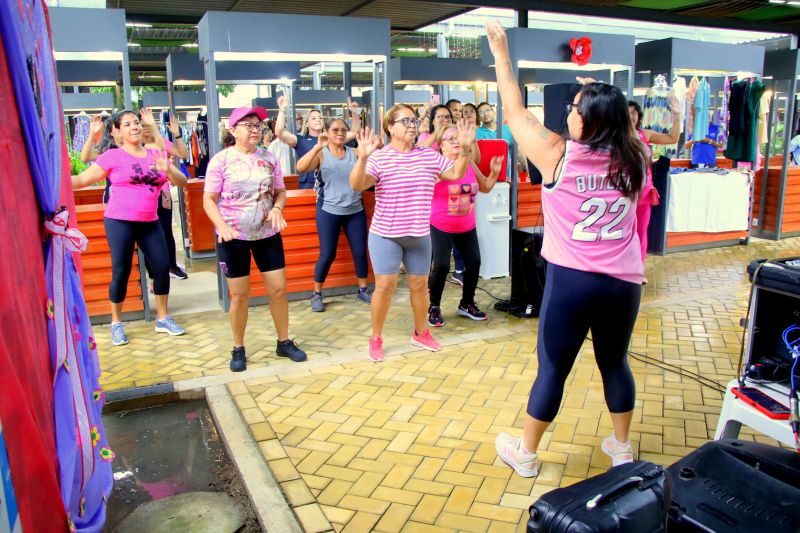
column 234, row 256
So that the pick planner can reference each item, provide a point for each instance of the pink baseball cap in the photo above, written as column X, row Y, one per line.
column 240, row 112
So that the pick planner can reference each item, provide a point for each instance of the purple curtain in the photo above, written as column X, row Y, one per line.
column 83, row 454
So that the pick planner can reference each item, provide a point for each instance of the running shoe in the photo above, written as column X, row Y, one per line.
column 514, row 454
column 290, row 349
column 376, row 354
column 118, row 337
column 471, row 311
column 435, row 319
column 620, row 453
column 425, row 340
column 168, row 325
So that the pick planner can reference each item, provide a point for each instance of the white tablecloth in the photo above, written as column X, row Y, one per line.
column 709, row 202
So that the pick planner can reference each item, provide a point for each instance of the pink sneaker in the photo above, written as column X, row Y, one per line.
column 376, row 349
column 425, row 340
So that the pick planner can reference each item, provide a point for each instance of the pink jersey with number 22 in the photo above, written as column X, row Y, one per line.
column 590, row 225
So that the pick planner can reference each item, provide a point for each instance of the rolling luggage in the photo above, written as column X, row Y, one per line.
column 626, row 499
column 732, row 485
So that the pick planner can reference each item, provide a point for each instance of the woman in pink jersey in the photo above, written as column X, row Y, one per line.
column 592, row 182
column 453, row 223
column 137, row 175
column 404, row 176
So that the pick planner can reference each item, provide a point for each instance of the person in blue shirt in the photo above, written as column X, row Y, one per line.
column 704, row 151
column 488, row 129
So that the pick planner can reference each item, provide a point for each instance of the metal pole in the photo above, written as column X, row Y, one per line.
column 787, row 137
column 762, row 205
column 347, row 78
column 126, row 80
column 376, row 120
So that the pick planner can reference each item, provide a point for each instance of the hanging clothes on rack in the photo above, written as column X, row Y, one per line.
column 702, row 102
column 202, row 144
column 743, row 126
column 722, row 135
column 690, row 96
column 657, row 116
column 80, row 132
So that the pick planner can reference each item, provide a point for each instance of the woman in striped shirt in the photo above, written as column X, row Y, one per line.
column 404, row 176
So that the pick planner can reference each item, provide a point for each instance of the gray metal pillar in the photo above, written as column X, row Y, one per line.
column 126, row 80
column 771, row 121
column 388, row 88
column 443, row 52
column 522, row 18
column 787, row 137
column 347, row 78
column 373, row 105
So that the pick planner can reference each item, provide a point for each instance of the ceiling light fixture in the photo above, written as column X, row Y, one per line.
column 777, row 1
column 137, row 25
column 190, row 45
column 134, row 44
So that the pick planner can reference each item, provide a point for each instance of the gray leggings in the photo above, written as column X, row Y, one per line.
column 386, row 254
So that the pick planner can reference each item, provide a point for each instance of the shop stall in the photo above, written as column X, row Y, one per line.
column 95, row 59
column 700, row 208
column 542, row 57
column 777, row 187
column 225, row 37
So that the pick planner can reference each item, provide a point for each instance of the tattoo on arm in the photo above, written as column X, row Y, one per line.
column 543, row 133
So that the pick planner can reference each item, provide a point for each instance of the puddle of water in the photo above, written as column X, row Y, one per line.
column 165, row 451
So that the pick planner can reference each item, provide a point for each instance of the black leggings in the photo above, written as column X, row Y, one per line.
column 122, row 235
column 329, row 227
column 165, row 220
column 442, row 243
column 575, row 302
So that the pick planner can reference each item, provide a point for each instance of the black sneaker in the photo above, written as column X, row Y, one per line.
column 471, row 311
column 457, row 277
column 176, row 272
column 238, row 359
column 435, row 319
column 290, row 349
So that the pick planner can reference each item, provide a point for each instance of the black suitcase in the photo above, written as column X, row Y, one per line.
column 731, row 485
column 780, row 274
column 528, row 267
column 627, row 499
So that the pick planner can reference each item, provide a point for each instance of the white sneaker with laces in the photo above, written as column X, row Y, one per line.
column 620, row 453
column 513, row 453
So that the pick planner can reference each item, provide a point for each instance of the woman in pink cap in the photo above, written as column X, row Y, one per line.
column 244, row 197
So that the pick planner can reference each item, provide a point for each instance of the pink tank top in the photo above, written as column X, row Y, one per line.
column 453, row 206
column 589, row 225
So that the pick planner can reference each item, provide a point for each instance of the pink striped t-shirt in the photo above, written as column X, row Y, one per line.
column 404, row 190
column 589, row 225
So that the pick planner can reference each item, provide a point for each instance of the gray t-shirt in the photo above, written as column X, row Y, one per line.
column 335, row 194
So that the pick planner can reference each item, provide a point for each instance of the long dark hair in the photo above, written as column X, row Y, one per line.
column 636, row 107
column 106, row 139
column 433, row 114
column 607, row 126
column 477, row 120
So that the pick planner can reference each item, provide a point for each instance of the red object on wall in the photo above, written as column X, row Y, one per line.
column 581, row 50
column 26, row 402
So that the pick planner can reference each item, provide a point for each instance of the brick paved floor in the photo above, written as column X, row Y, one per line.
column 407, row 445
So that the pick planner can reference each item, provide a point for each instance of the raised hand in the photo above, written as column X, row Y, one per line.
column 283, row 102
column 585, row 80
column 367, row 142
column 323, row 139
column 466, row 132
column 174, row 125
column 496, row 164
column 161, row 162
column 674, row 105
column 96, row 125
column 352, row 106
column 146, row 116
column 498, row 41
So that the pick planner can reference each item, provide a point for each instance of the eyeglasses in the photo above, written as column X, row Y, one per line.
column 409, row 122
column 338, row 130
column 571, row 106
column 485, row 112
column 251, row 126
column 442, row 117
column 448, row 139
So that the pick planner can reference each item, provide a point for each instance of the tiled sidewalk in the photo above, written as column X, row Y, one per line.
column 408, row 444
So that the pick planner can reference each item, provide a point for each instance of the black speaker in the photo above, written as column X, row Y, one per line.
column 528, row 267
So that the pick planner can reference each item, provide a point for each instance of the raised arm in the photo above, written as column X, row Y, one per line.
column 355, row 120
column 90, row 176
column 88, row 153
column 466, row 136
column 280, row 123
column 360, row 180
column 486, row 184
column 313, row 158
column 179, row 148
column 539, row 144
column 674, row 132
column 146, row 115
column 174, row 175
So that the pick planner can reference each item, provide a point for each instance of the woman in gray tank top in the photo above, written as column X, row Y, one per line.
column 339, row 208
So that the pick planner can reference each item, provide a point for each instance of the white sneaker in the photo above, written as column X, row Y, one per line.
column 620, row 453
column 513, row 453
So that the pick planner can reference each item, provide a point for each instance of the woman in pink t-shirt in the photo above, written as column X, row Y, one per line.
column 453, row 223
column 440, row 119
column 136, row 175
column 244, row 196
column 592, row 182
column 404, row 176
